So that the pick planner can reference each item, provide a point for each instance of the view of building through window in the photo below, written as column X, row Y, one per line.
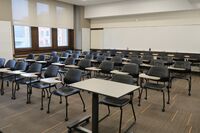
column 44, row 37
column 62, row 37
column 22, row 36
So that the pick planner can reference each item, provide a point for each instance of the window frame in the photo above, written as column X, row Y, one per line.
column 67, row 37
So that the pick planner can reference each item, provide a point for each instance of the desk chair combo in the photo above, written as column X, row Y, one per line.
column 157, row 78
column 119, row 102
column 72, row 76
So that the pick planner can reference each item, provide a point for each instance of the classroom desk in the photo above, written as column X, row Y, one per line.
column 93, row 69
column 71, row 66
column 51, row 81
column 118, row 72
column 102, row 87
column 41, row 62
column 15, row 73
column 58, row 64
column 29, row 87
column 30, row 60
column 186, row 74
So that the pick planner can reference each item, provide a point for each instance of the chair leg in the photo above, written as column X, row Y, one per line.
column 163, row 110
column 12, row 97
column 42, row 94
column 140, row 96
column 2, row 89
column 82, row 102
column 48, row 111
column 60, row 99
column 168, row 92
column 28, row 94
column 108, row 110
column 66, row 115
column 133, row 110
column 189, row 90
column 47, row 93
column 120, row 123
column 146, row 94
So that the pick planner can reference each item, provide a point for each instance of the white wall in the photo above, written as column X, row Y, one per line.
column 85, row 39
column 97, row 39
column 131, row 7
column 6, row 44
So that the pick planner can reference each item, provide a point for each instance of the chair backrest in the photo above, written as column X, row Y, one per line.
column 117, row 59
column 84, row 63
column 75, row 55
column 85, row 52
column 34, row 68
column 65, row 54
column 77, row 52
column 100, row 58
column 136, row 60
column 53, row 53
column 30, row 56
column 161, row 72
column 41, row 57
column 2, row 62
column 22, row 65
column 10, row 64
column 132, row 69
column 157, row 62
column 127, row 79
column 72, row 76
column 106, row 66
column 183, row 64
column 54, row 59
column 70, row 61
column 69, row 51
column 52, row 71
column 89, row 56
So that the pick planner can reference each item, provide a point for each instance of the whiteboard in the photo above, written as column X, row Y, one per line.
column 97, row 39
column 85, row 39
column 6, row 43
column 163, row 38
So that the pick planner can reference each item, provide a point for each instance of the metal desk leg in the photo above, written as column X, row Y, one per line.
column 95, row 113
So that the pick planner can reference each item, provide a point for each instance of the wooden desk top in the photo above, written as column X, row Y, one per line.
column 105, row 87
column 29, row 75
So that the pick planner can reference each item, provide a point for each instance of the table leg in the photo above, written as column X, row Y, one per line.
column 95, row 113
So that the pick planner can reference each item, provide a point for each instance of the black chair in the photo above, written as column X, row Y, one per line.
column 30, row 56
column 133, row 70
column 185, row 74
column 106, row 67
column 158, row 62
column 52, row 71
column 33, row 68
column 72, row 76
column 84, row 64
column 2, row 62
column 119, row 102
column 89, row 56
column 136, row 60
column 22, row 66
column 147, row 58
column 10, row 64
column 54, row 59
column 167, row 60
column 117, row 60
column 53, row 53
column 75, row 55
column 41, row 58
column 69, row 51
column 160, row 85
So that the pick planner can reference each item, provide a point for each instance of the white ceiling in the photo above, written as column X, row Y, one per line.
column 89, row 2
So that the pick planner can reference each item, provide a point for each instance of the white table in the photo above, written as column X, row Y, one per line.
column 126, row 59
column 71, row 66
column 102, row 87
column 176, row 68
column 118, row 72
column 30, row 60
column 4, row 70
column 145, row 65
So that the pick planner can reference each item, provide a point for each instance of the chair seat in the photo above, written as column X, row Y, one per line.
column 26, row 81
column 65, row 91
column 154, row 86
column 115, row 102
column 41, row 85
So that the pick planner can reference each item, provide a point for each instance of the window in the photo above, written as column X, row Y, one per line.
column 22, row 37
column 62, row 37
column 44, row 37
